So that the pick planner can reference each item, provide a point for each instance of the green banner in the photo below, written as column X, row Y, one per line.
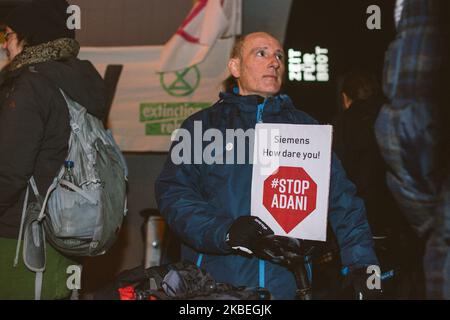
column 163, row 118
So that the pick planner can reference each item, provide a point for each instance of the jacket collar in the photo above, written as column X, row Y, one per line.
column 63, row 48
column 250, row 103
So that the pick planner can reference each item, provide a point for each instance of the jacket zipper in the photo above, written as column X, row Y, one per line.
column 199, row 260
column 261, row 271
column 261, row 266
column 260, row 111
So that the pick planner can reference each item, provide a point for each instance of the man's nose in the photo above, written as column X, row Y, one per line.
column 274, row 62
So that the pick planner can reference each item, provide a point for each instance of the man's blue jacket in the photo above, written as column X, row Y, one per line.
column 201, row 201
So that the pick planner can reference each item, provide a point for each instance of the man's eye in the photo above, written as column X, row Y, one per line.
column 260, row 53
column 280, row 57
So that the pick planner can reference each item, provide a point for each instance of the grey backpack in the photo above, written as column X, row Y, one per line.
column 81, row 218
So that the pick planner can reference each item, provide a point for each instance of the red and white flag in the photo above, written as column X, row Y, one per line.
column 208, row 21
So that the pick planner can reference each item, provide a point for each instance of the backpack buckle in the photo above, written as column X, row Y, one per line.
column 75, row 128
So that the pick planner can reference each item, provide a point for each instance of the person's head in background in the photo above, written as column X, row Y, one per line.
column 34, row 23
column 358, row 86
column 257, row 65
column 13, row 44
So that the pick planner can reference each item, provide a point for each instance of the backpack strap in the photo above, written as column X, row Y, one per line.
column 74, row 126
column 33, row 227
column 78, row 190
column 33, row 185
column 119, row 154
column 75, row 188
column 38, row 285
column 44, row 203
column 34, row 250
column 22, row 220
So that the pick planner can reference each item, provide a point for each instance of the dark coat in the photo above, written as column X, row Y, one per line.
column 34, row 126
column 355, row 144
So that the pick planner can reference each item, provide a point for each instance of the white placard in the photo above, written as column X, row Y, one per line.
column 291, row 178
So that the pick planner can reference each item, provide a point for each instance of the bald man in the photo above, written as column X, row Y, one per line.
column 208, row 205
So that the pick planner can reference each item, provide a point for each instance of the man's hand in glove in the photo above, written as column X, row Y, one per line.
column 245, row 232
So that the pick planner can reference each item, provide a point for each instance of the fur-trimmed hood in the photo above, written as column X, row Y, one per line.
column 57, row 61
column 59, row 49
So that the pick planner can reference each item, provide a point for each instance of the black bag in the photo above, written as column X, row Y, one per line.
column 181, row 280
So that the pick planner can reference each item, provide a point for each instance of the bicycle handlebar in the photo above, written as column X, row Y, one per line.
column 283, row 250
column 290, row 253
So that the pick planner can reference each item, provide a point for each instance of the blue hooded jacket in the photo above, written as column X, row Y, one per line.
column 201, row 201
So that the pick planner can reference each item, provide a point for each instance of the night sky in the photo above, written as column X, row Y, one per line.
column 340, row 26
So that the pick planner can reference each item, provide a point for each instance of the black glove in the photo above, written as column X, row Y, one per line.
column 245, row 233
column 365, row 288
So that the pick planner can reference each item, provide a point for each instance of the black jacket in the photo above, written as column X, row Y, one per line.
column 355, row 143
column 34, row 126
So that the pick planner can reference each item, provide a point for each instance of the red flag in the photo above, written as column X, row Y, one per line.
column 205, row 24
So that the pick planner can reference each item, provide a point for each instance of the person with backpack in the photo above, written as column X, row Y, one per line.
column 34, row 128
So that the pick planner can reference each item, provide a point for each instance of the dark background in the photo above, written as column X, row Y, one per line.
column 340, row 26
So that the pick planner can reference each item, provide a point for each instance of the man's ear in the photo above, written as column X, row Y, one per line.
column 234, row 67
column 346, row 101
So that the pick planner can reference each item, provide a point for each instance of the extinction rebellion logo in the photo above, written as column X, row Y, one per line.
column 180, row 83
column 162, row 118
